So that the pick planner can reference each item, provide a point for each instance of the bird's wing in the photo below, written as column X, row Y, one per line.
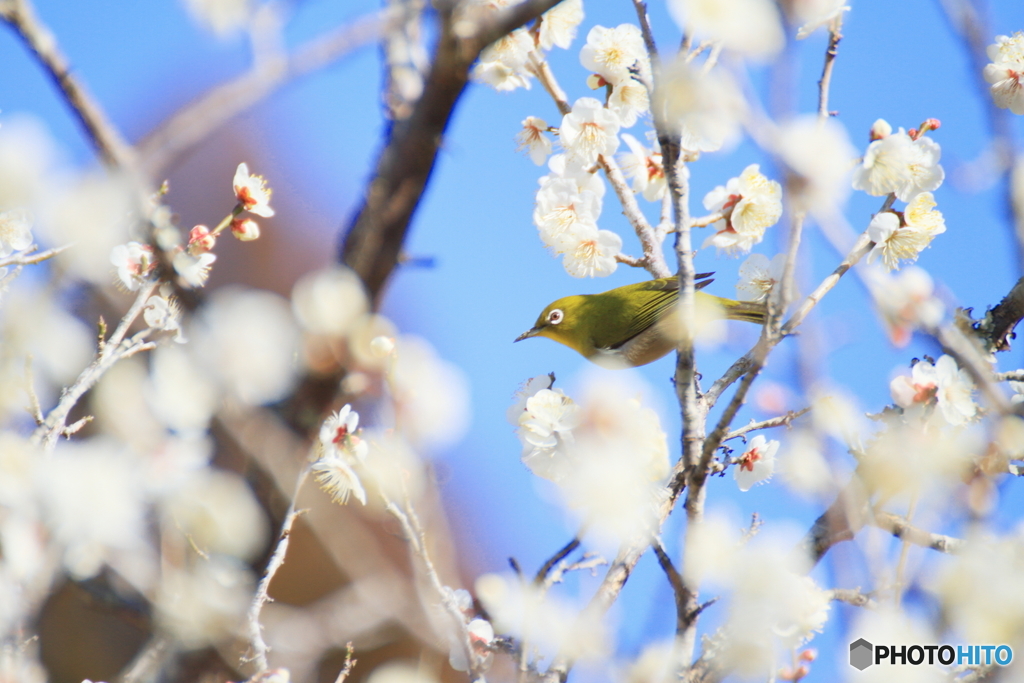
column 659, row 297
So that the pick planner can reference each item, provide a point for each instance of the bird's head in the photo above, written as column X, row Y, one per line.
column 564, row 322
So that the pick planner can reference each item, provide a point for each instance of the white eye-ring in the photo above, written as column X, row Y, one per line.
column 555, row 316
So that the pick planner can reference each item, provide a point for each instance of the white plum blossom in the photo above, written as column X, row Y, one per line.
column 194, row 270
column 558, row 25
column 589, row 131
column 750, row 203
column 533, row 139
column 752, row 28
column 756, row 464
column 503, row 65
column 820, row 153
column 164, row 313
column 329, row 302
column 523, row 394
column 545, row 428
column 629, row 99
column 585, row 176
column 592, row 252
column 252, row 192
column 340, row 449
column 899, row 164
column 15, row 232
column 758, row 276
column 905, row 301
column 644, row 166
column 942, row 384
column 223, row 17
column 562, row 211
column 616, row 53
column 1006, row 72
column 481, row 636
column 894, row 242
column 134, row 262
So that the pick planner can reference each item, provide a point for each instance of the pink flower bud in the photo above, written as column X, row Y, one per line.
column 245, row 229
column 200, row 240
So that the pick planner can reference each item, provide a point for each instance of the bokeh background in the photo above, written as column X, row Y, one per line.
column 485, row 276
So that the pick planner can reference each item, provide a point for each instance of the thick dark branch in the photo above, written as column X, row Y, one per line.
column 374, row 241
column 998, row 326
column 562, row 553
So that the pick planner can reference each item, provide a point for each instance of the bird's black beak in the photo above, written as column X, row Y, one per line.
column 532, row 332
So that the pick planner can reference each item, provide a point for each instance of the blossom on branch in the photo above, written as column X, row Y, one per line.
column 340, row 449
column 558, row 25
column 758, row 276
column 893, row 241
column 532, row 139
column 252, row 192
column 1006, row 72
column 757, row 463
column 503, row 65
column 134, row 262
column 645, row 167
column 750, row 204
column 899, row 164
column 943, row 385
column 589, row 131
column 616, row 53
column 15, row 232
column 592, row 252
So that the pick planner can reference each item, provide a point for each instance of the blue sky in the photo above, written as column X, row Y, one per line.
column 316, row 140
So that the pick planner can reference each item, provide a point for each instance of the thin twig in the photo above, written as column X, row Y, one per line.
column 350, row 663
column 654, row 256
column 780, row 421
column 29, row 256
column 262, row 596
column 1010, row 376
column 679, row 589
column 853, row 596
column 562, row 553
column 834, row 36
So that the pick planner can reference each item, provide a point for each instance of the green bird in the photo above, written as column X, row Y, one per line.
column 632, row 325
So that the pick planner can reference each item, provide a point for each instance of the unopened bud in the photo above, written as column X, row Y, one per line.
column 809, row 655
column 880, row 129
column 245, row 229
column 596, row 81
column 382, row 347
column 200, row 240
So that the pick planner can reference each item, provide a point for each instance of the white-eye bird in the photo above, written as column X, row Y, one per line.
column 631, row 325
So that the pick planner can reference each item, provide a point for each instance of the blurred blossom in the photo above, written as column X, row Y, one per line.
column 752, row 28
column 533, row 139
column 401, row 672
column 943, row 383
column 705, row 109
column 431, row 395
column 803, row 467
column 223, row 17
column 897, row 163
column 252, row 191
column 756, row 464
column 372, row 341
column 201, row 240
column 909, row 459
column 481, row 636
column 835, row 412
column 392, row 467
column 820, row 153
column 588, row 131
column 503, row 65
column 93, row 215
column 175, row 460
column 194, row 270
column 34, row 325
column 616, row 53
column 1004, row 74
column 645, row 167
column 15, row 231
column 772, row 606
column 118, row 411
column 181, row 394
column 21, row 664
column 329, row 301
column 895, row 627
column 659, row 662
column 758, row 276
column 894, row 242
column 712, row 545
column 18, row 457
column 906, row 301
column 27, row 164
column 811, row 15
column 93, row 500
column 134, row 263
column 525, row 611
column 204, row 604
column 558, row 25
column 981, row 591
column 218, row 513
column 248, row 339
column 750, row 204
column 523, row 394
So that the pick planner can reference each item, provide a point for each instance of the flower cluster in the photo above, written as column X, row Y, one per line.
column 749, row 204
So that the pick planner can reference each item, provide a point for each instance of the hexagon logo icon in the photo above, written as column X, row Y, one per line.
column 860, row 654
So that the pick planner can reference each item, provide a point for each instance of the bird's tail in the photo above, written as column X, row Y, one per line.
column 748, row 311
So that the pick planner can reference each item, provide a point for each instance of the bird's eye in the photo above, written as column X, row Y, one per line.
column 555, row 316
